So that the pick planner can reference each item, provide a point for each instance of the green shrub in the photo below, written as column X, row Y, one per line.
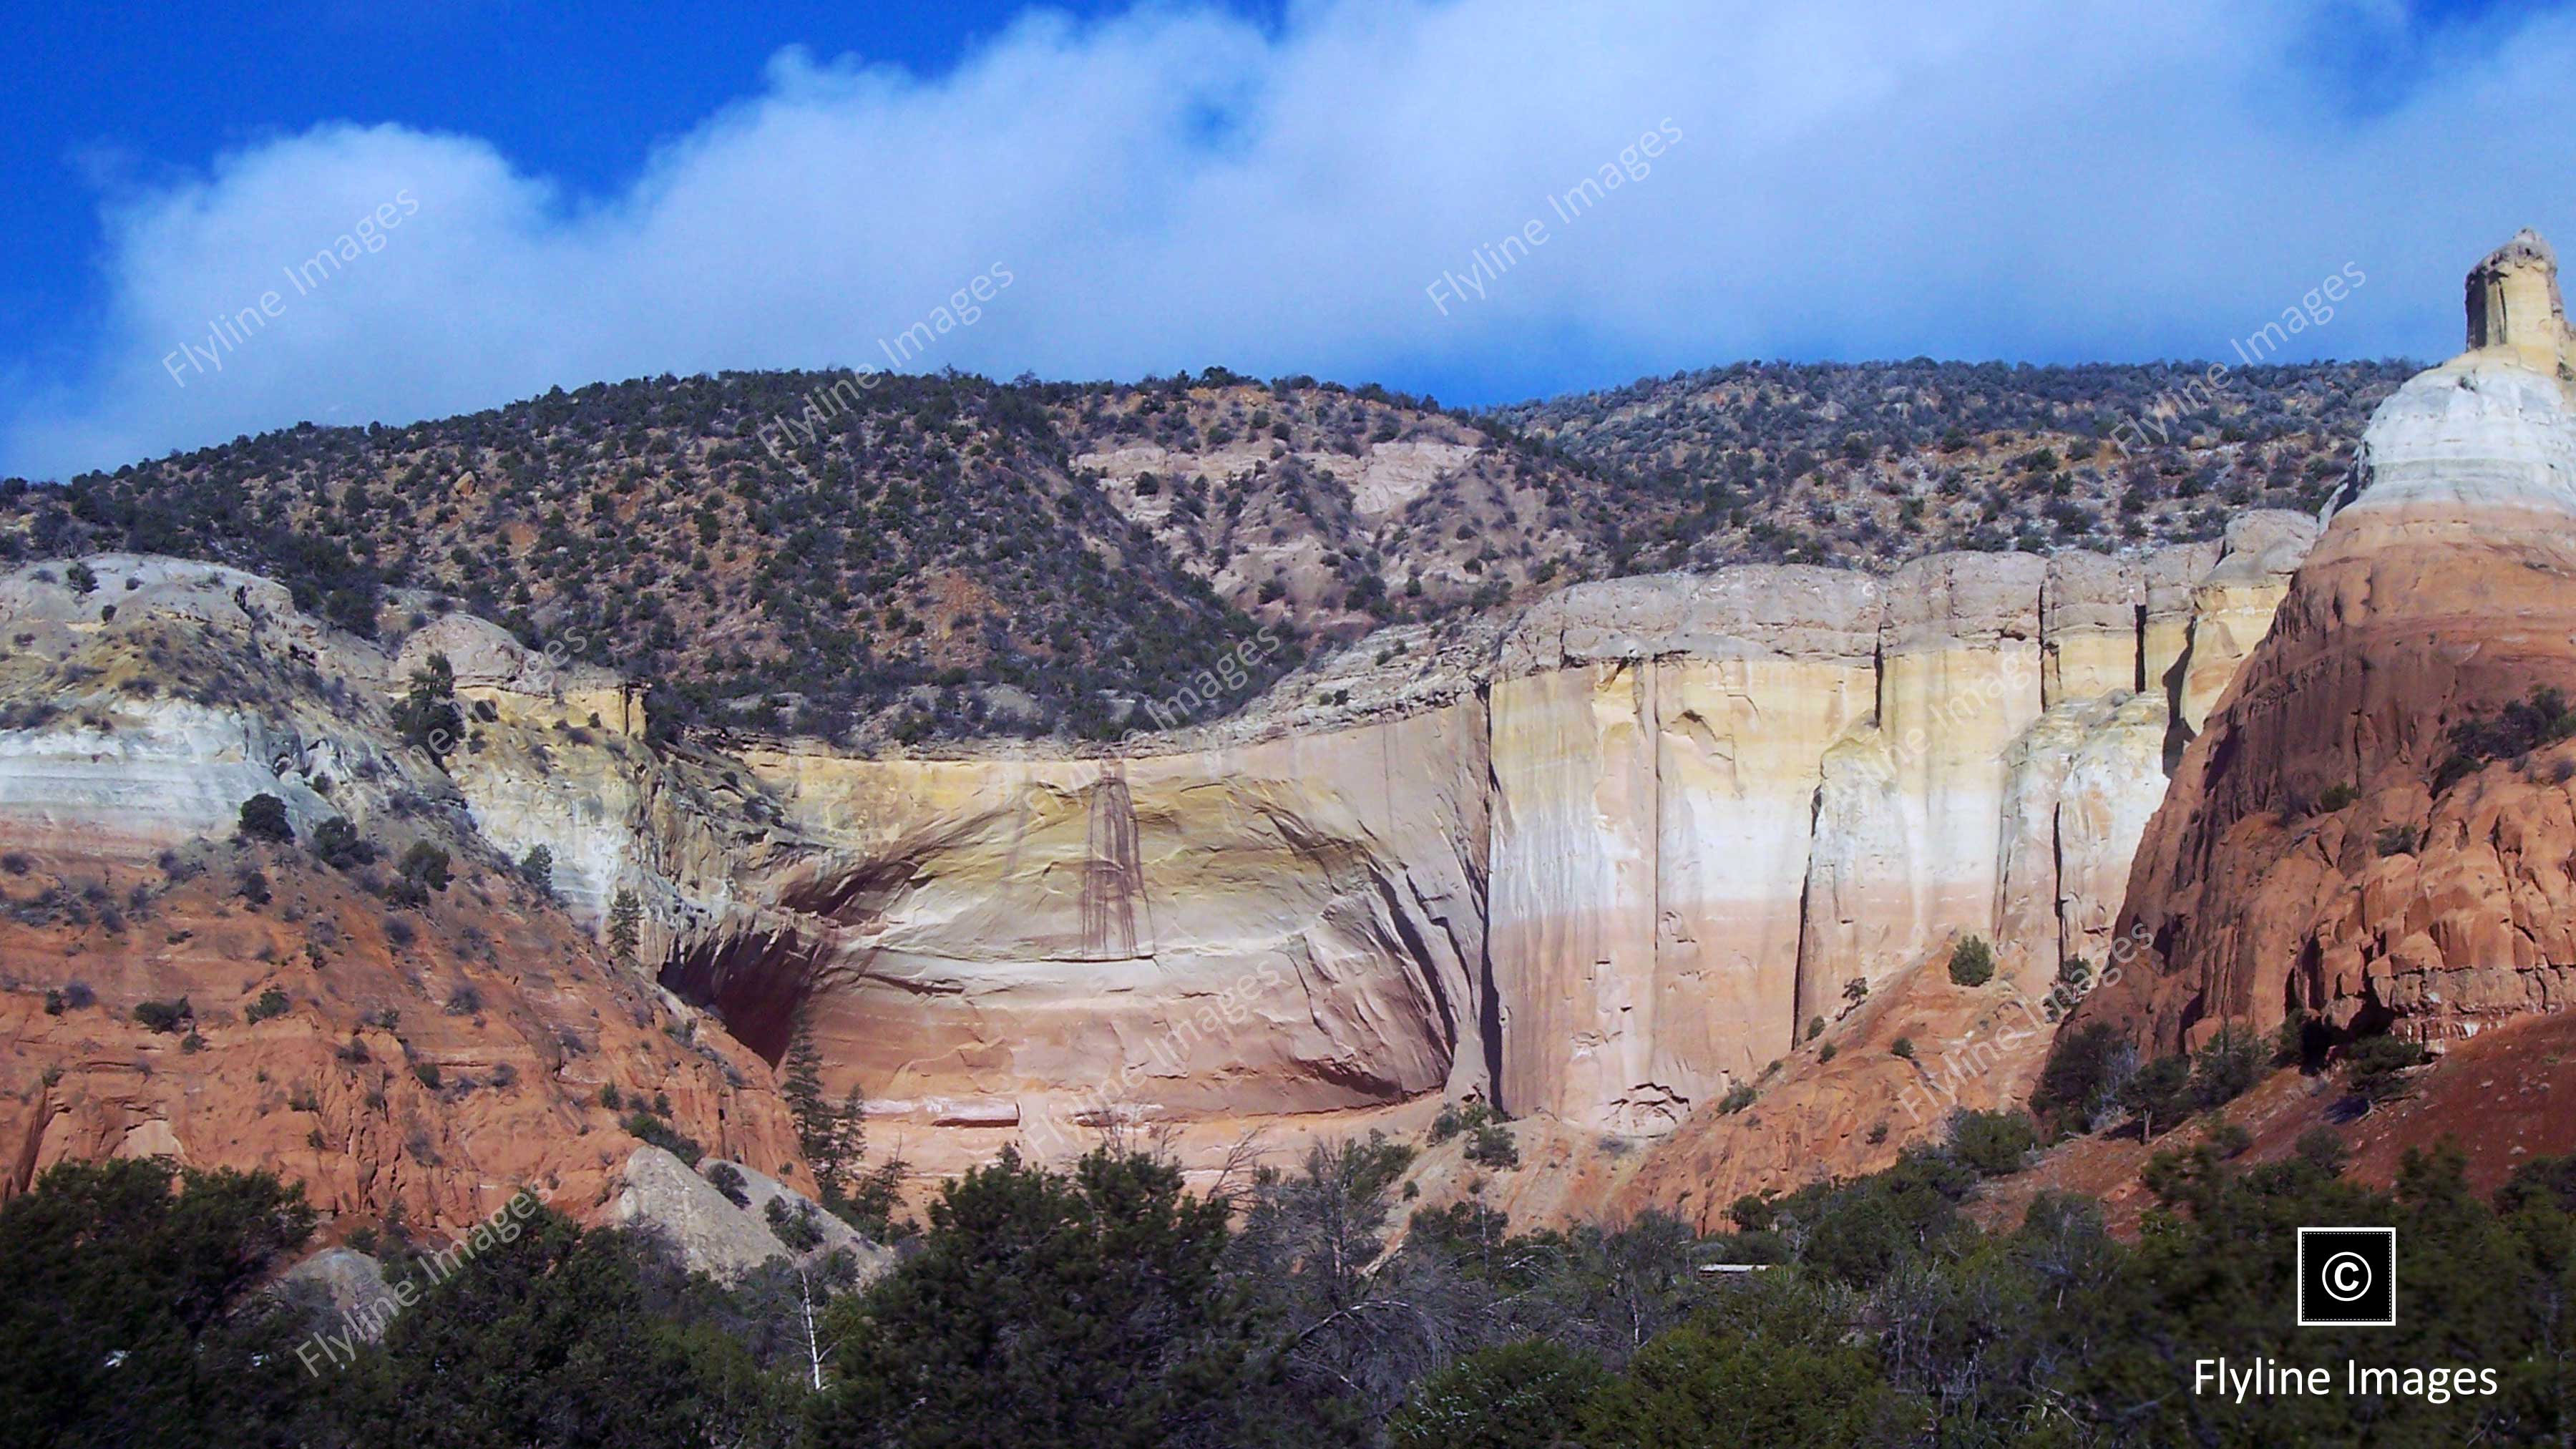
column 649, row 1128
column 162, row 1016
column 426, row 865
column 1457, row 1117
column 796, row 1228
column 1972, row 962
column 726, row 1178
column 1737, row 1098
column 537, row 868
column 1524, row 1395
column 1491, row 1145
column 2225, row 1068
column 2375, row 1067
column 271, row 1003
column 2160, row 1094
column 1902, row 1047
column 263, row 817
column 2336, row 797
column 1993, row 1144
column 337, row 844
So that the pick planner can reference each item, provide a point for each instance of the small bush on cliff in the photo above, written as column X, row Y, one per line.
column 646, row 1127
column 1815, row 1027
column 625, row 920
column 337, row 844
column 162, row 1016
column 2159, row 1095
column 427, row 717
column 2336, row 797
column 1491, row 1145
column 1992, row 1144
column 2397, row 840
column 1902, row 1047
column 796, row 1228
column 263, row 817
column 1457, row 1117
column 271, row 1003
column 426, row 865
column 2509, row 733
column 1972, row 962
column 2226, row 1068
column 537, row 868
column 2375, row 1067
column 2086, row 1069
column 726, row 1178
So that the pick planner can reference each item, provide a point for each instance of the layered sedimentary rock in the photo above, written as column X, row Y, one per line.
column 2335, row 844
column 1655, row 750
column 1605, row 866
column 1294, row 926
column 1726, row 807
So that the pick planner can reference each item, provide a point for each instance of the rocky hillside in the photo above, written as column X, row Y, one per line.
column 1867, row 464
column 360, row 992
column 949, row 557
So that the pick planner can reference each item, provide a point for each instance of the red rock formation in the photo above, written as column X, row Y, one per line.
column 2313, row 854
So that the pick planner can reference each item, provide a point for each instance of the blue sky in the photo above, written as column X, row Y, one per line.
column 566, row 193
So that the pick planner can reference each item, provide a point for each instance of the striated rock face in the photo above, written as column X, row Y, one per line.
column 2233, row 603
column 2317, row 854
column 1294, row 926
column 1723, row 805
column 1655, row 751
column 1604, row 866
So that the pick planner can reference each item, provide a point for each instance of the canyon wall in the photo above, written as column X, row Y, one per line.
column 2375, row 829
column 1613, row 870
column 1729, row 806
column 1605, row 865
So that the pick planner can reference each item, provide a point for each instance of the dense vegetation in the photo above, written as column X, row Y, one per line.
column 1106, row 1305
column 952, row 556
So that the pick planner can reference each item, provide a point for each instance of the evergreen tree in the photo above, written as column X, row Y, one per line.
column 818, row 1132
column 428, row 717
column 131, row 1315
column 625, row 918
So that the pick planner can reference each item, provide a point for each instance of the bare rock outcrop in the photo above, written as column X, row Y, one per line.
column 714, row 1235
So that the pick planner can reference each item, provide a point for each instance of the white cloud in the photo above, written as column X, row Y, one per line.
column 1175, row 188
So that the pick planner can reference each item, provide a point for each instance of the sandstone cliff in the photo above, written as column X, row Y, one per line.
column 1604, row 866
column 2375, row 828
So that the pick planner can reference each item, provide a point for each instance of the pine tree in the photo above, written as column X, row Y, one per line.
column 818, row 1134
column 625, row 916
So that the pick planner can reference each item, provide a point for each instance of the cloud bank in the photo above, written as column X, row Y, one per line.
column 1179, row 187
